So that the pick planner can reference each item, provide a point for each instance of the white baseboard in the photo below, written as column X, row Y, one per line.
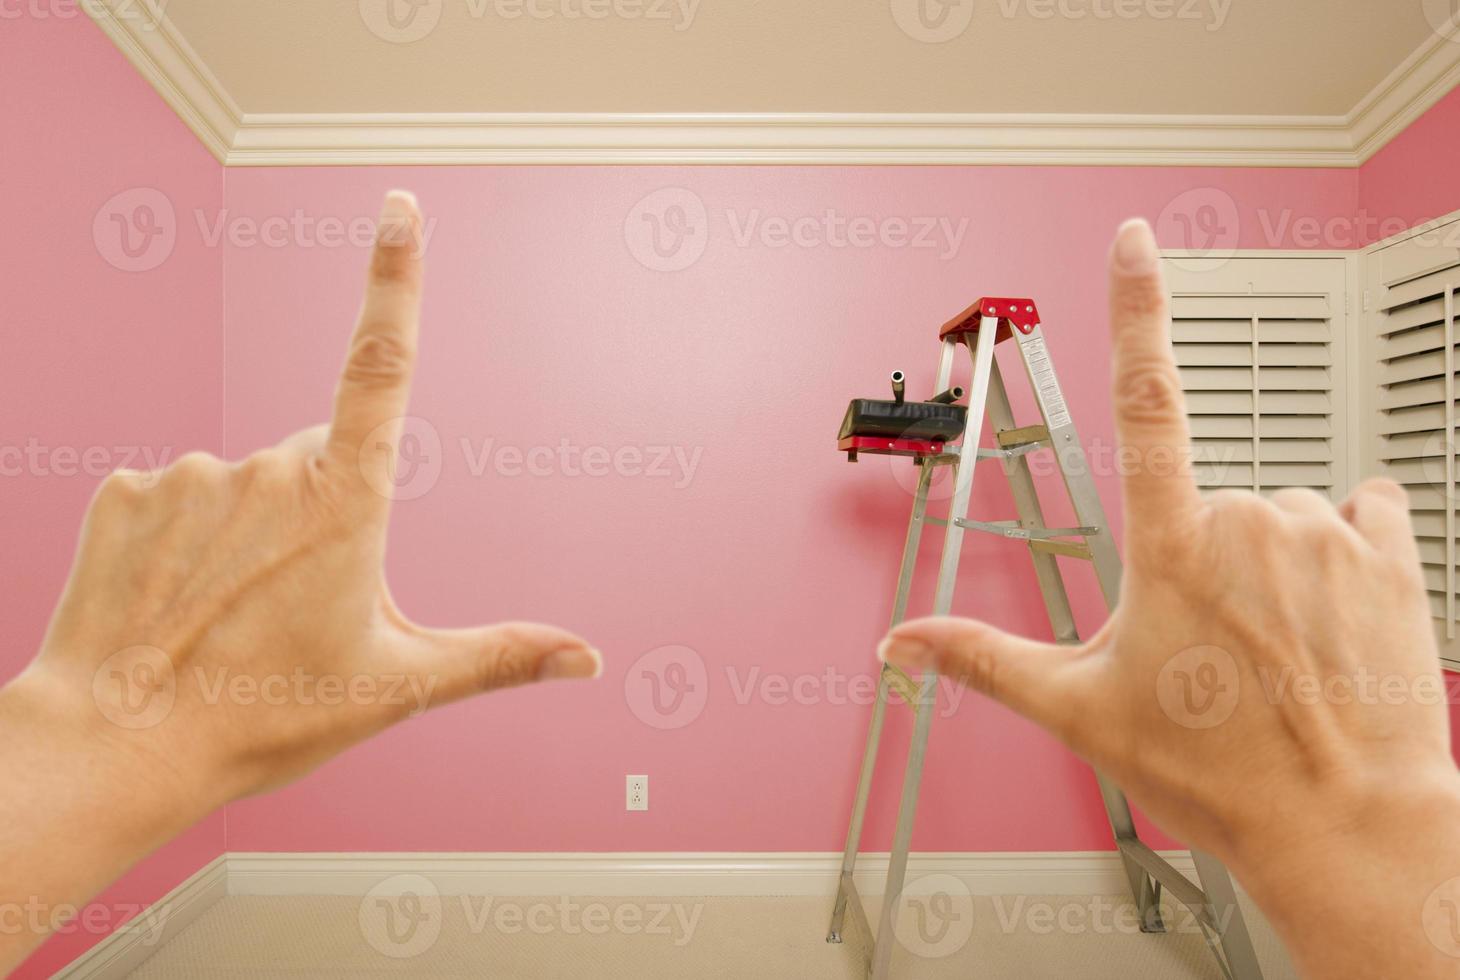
column 656, row 875
column 124, row 950
column 587, row 875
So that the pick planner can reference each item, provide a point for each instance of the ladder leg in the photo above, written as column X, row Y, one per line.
column 978, row 397
column 1234, row 943
column 983, row 360
column 1143, row 888
column 902, row 840
column 859, row 813
column 1073, row 466
column 879, row 709
column 1062, row 620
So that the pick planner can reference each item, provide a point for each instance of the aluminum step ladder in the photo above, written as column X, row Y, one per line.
column 980, row 328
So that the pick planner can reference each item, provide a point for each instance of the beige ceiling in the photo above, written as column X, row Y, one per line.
column 1227, row 57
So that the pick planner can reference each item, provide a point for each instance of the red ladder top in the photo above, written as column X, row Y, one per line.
column 1012, row 313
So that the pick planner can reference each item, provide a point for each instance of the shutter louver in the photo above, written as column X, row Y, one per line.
column 1415, row 382
column 1259, row 375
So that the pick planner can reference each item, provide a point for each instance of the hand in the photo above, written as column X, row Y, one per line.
column 227, row 628
column 1269, row 688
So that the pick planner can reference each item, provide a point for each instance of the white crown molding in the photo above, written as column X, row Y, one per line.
column 1411, row 90
column 237, row 138
column 788, row 138
column 166, row 60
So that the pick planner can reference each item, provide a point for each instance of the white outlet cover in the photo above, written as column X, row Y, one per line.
column 636, row 793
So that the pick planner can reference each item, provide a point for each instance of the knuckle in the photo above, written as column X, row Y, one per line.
column 503, row 671
column 974, row 662
column 121, row 487
column 194, row 469
column 1147, row 392
column 1383, row 489
column 1243, row 507
column 379, row 360
column 1300, row 498
column 505, row 663
column 1241, row 523
column 1142, row 297
column 268, row 468
column 394, row 261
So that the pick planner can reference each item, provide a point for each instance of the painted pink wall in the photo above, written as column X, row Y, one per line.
column 1409, row 182
column 95, row 358
column 778, row 557
column 542, row 326
column 1412, row 180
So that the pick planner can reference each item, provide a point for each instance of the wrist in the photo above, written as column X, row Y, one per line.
column 120, row 785
column 1303, row 868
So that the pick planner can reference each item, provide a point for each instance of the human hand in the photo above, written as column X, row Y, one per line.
column 227, row 627
column 1269, row 687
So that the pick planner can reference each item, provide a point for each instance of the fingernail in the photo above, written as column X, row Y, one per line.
column 906, row 652
column 1135, row 248
column 399, row 204
column 581, row 663
column 397, row 218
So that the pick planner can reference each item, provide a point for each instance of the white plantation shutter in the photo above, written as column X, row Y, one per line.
column 1261, row 348
column 1412, row 301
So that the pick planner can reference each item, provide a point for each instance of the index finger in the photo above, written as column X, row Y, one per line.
column 1150, row 408
column 375, row 385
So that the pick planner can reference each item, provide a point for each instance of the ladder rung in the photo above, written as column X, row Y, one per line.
column 1180, row 886
column 1012, row 529
column 1006, row 454
column 1070, row 549
column 904, row 685
column 1028, row 435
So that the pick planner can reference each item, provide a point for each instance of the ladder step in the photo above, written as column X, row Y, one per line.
column 1180, row 886
column 899, row 681
column 1016, row 531
column 1028, row 435
column 1069, row 549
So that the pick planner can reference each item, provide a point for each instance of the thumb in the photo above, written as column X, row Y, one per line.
column 1022, row 674
column 462, row 663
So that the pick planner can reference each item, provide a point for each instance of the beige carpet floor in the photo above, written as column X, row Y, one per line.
column 1074, row 938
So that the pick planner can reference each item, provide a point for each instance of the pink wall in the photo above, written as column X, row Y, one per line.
column 1409, row 182
column 1412, row 180
column 777, row 558
column 99, row 362
column 770, row 560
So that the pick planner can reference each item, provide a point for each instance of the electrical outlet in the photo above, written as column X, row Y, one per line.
column 637, row 793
